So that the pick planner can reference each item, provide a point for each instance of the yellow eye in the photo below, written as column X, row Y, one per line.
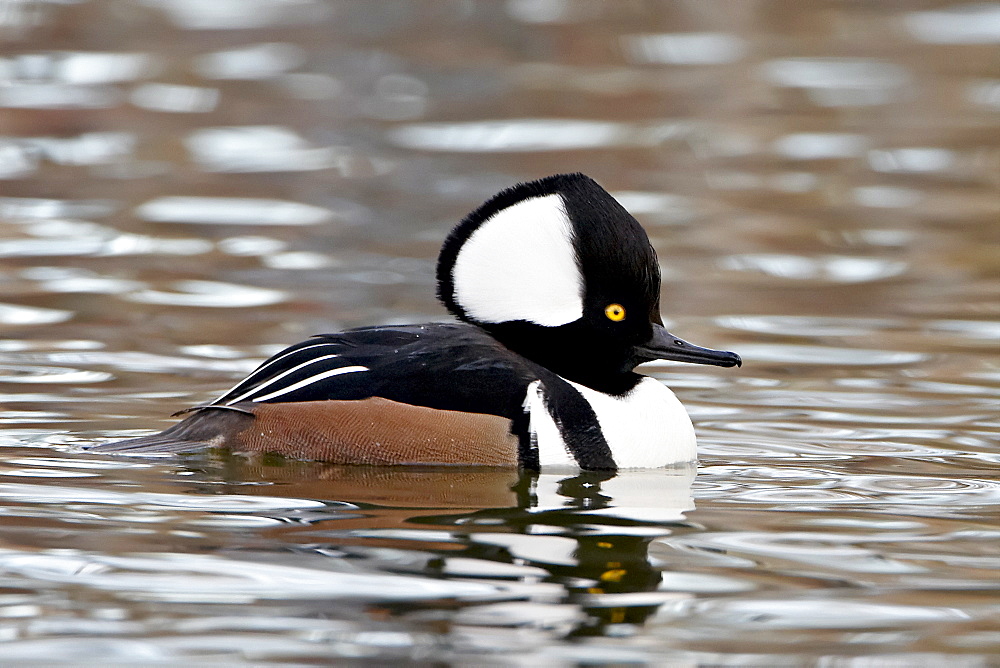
column 615, row 312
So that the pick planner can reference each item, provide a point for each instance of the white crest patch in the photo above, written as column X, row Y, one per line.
column 520, row 264
column 647, row 427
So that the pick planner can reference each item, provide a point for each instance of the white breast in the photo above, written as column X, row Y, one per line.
column 645, row 428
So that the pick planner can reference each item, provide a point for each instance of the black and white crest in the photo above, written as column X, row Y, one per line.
column 559, row 290
column 540, row 251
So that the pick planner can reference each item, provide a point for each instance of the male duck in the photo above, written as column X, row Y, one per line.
column 558, row 291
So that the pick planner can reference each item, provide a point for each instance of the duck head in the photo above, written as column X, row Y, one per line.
column 559, row 272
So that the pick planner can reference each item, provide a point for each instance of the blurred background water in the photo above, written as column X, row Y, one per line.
column 187, row 186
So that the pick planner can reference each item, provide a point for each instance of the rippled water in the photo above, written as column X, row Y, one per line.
column 186, row 187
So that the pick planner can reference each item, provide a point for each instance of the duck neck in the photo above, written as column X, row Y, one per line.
column 571, row 355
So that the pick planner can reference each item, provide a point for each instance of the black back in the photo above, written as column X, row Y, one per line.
column 444, row 366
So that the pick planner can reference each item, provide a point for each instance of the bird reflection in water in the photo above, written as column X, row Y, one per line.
column 586, row 533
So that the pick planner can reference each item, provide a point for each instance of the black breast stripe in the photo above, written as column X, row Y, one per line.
column 578, row 426
column 527, row 448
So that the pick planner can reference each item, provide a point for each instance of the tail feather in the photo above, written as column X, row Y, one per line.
column 208, row 427
column 154, row 444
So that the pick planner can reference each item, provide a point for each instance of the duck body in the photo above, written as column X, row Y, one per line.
column 557, row 289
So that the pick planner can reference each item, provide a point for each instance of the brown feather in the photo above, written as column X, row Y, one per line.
column 376, row 431
column 366, row 431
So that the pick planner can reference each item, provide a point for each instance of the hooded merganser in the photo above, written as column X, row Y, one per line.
column 558, row 292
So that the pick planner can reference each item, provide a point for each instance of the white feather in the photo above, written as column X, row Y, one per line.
column 552, row 450
column 272, row 381
column 265, row 365
column 312, row 379
column 644, row 428
column 520, row 264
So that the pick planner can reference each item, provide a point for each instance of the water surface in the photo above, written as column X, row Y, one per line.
column 186, row 188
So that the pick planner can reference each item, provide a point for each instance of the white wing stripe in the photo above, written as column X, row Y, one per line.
column 258, row 388
column 312, row 379
column 267, row 364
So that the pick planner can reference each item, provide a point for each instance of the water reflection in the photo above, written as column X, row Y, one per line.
column 820, row 146
column 260, row 61
column 175, row 98
column 212, row 294
column 961, row 24
column 256, row 149
column 520, row 135
column 240, row 14
column 840, row 82
column 830, row 268
column 587, row 533
column 685, row 48
column 36, row 208
column 22, row 95
column 577, row 546
column 231, row 211
column 13, row 314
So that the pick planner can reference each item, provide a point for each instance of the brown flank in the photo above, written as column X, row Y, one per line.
column 373, row 431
